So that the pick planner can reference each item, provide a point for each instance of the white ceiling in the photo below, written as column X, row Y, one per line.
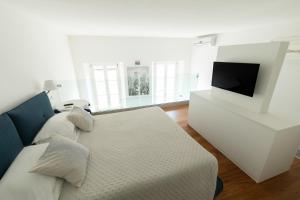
column 181, row 18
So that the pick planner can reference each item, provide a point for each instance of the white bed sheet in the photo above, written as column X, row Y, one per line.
column 143, row 155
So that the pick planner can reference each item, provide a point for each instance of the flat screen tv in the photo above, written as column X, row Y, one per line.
column 235, row 77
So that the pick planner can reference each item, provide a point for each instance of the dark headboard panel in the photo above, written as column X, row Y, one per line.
column 30, row 116
column 10, row 143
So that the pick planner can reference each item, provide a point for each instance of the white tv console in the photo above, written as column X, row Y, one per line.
column 261, row 144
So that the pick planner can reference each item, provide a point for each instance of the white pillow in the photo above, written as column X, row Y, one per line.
column 81, row 119
column 58, row 124
column 19, row 183
column 64, row 158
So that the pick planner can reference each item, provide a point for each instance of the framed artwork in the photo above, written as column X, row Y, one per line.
column 138, row 80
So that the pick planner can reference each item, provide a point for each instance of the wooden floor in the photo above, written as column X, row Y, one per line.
column 237, row 185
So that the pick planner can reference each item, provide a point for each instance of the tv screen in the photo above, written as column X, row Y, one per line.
column 235, row 77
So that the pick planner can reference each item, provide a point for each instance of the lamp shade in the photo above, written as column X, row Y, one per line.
column 50, row 85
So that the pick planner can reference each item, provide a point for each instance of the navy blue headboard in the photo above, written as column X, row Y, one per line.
column 10, row 143
column 30, row 116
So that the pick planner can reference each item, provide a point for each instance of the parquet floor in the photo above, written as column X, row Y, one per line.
column 237, row 185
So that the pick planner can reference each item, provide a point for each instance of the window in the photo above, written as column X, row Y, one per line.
column 167, row 80
column 107, row 85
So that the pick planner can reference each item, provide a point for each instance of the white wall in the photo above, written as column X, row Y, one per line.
column 30, row 52
column 111, row 50
column 285, row 101
column 286, row 98
column 202, row 66
column 97, row 49
column 270, row 56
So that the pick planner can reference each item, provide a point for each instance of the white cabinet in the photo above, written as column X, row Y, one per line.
column 262, row 145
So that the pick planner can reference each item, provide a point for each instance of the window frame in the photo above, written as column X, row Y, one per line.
column 105, row 68
column 177, row 76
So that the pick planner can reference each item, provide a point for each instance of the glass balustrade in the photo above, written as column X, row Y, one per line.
column 114, row 93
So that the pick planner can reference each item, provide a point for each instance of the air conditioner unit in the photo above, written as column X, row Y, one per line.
column 206, row 40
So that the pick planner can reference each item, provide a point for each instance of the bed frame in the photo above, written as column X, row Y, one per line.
column 19, row 126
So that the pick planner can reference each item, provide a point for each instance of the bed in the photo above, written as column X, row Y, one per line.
column 143, row 154
column 139, row 155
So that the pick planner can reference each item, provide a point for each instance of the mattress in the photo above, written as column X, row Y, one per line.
column 143, row 155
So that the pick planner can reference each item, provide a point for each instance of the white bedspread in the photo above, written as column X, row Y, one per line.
column 144, row 155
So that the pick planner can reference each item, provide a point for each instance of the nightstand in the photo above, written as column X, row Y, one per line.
column 68, row 105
